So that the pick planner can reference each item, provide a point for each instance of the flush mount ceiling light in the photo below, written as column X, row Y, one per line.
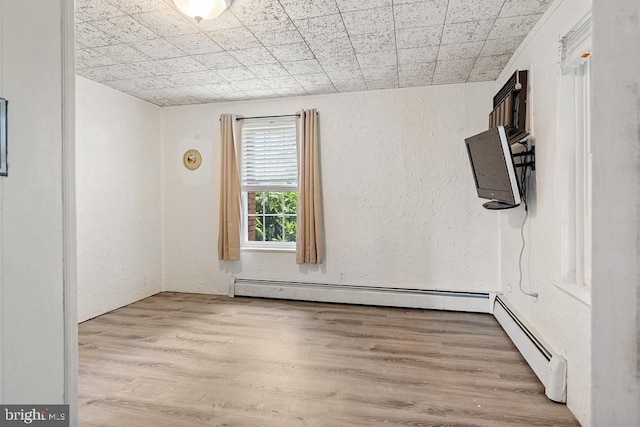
column 202, row 9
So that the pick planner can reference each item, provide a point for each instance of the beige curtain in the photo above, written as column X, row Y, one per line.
column 310, row 243
column 229, row 222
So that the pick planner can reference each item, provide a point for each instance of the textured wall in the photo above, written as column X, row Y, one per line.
column 118, row 164
column 562, row 319
column 400, row 204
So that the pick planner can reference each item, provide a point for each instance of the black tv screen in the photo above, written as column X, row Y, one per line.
column 493, row 168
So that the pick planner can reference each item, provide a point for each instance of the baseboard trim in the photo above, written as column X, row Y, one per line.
column 475, row 302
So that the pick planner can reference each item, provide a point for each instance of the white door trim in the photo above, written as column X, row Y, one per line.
column 69, row 209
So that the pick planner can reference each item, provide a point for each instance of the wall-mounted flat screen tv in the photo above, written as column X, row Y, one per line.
column 493, row 169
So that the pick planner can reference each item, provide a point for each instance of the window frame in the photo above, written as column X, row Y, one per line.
column 574, row 165
column 252, row 245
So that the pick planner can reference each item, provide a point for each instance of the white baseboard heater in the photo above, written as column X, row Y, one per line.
column 476, row 302
column 550, row 367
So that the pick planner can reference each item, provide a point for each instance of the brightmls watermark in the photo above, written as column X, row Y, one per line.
column 36, row 415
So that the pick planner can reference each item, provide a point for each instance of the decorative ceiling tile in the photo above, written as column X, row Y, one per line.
column 88, row 36
column 417, row 55
column 320, row 90
column 420, row 14
column 423, row 70
column 281, row 82
column 459, row 51
column 351, row 5
column 350, row 85
column 513, row 26
column 253, row 56
column 223, row 22
column 496, row 62
column 218, row 60
column 276, row 33
column 257, row 11
column 419, row 37
column 291, row 91
column 194, row 78
column 291, row 52
column 108, row 73
column 234, row 38
column 454, row 71
column 478, row 75
column 222, row 88
column 86, row 58
column 369, row 21
column 337, row 76
column 524, row 7
column 318, row 79
column 309, row 66
column 468, row 11
column 268, row 71
column 94, row 10
column 380, row 73
column 466, row 32
column 367, row 43
column 377, row 59
column 324, row 27
column 414, row 81
column 236, row 74
column 167, row 22
column 158, row 49
column 122, row 53
column 501, row 46
column 125, row 29
column 138, row 6
column 382, row 84
column 194, row 44
column 300, row 9
column 295, row 47
column 180, row 65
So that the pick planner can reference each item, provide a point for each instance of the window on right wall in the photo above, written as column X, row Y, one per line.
column 574, row 123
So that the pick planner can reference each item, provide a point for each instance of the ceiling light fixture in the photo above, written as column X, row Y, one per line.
column 202, row 9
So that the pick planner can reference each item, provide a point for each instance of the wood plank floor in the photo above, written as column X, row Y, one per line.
column 196, row 360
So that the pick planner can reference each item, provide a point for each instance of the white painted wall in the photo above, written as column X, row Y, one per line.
column 561, row 319
column 32, row 362
column 616, row 213
column 399, row 201
column 118, row 177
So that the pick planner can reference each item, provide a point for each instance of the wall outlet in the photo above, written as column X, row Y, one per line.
column 509, row 288
column 342, row 277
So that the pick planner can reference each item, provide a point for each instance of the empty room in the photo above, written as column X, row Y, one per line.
column 326, row 213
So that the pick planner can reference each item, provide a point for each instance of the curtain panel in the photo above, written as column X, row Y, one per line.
column 310, row 239
column 229, row 219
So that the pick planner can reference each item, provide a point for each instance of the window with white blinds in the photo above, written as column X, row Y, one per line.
column 269, row 174
column 269, row 154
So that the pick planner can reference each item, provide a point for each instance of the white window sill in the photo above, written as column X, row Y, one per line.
column 269, row 248
column 578, row 292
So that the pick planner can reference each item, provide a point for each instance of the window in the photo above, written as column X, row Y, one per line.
column 575, row 145
column 269, row 179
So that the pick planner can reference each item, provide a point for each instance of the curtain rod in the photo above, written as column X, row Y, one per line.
column 267, row 117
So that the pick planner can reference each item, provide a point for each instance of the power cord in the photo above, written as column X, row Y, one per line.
column 523, row 186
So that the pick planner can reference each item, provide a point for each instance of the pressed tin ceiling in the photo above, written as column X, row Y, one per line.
column 274, row 48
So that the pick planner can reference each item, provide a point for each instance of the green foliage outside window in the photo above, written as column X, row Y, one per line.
column 275, row 216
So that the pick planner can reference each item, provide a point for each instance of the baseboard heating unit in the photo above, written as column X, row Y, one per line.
column 550, row 368
column 476, row 302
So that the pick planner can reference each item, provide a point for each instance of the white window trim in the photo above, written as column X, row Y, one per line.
column 574, row 164
column 258, row 246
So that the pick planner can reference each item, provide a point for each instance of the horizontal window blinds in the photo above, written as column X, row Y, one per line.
column 269, row 154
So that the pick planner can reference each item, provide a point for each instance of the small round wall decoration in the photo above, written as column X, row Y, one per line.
column 192, row 159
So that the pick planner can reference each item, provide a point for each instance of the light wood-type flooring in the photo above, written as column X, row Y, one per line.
column 196, row 360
